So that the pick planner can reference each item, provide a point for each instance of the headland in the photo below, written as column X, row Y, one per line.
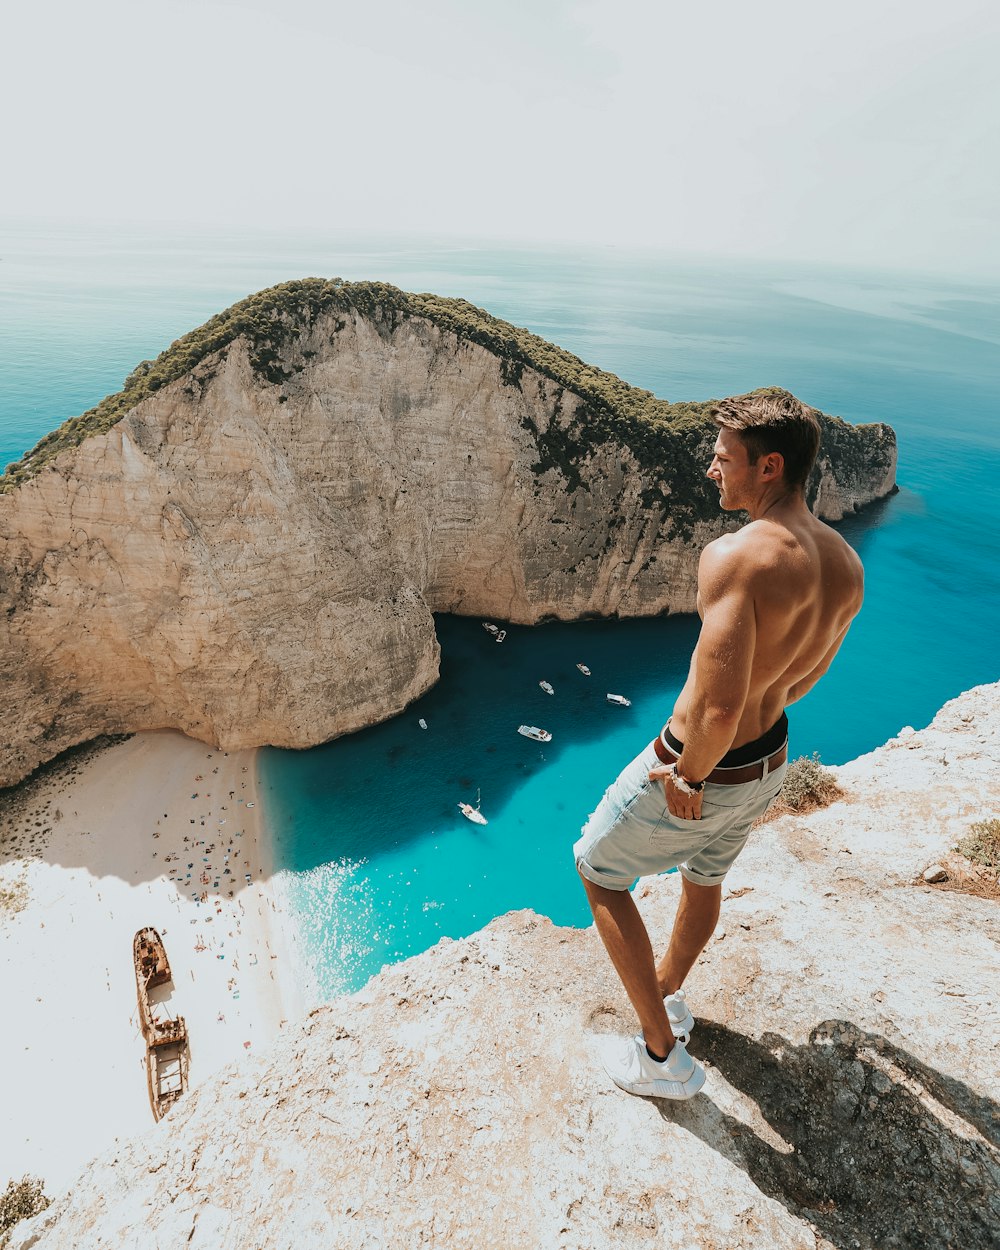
column 249, row 542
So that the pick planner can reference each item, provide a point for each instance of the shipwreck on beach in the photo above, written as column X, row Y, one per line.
column 166, row 1036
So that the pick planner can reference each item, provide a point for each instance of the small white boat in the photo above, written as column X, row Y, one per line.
column 620, row 700
column 501, row 635
column 533, row 732
column 584, row 669
column 491, row 628
column 547, row 687
column 473, row 813
column 422, row 723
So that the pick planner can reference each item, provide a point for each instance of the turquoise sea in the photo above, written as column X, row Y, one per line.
column 381, row 863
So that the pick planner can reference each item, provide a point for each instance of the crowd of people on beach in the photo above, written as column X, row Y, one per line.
column 211, row 866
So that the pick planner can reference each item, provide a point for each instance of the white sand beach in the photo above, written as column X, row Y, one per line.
column 158, row 830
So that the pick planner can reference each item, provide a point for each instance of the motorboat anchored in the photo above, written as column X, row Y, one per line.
column 533, row 732
column 547, row 687
column 502, row 634
column 584, row 669
column 491, row 628
column 620, row 700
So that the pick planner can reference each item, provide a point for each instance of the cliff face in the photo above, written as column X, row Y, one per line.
column 252, row 551
column 846, row 1014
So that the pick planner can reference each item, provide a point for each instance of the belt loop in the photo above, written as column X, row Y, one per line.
column 766, row 761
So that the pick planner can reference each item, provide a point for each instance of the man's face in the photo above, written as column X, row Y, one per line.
column 732, row 471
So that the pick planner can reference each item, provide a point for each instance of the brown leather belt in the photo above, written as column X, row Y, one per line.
column 729, row 776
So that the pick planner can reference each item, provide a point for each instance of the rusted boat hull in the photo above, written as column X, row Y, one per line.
column 166, row 1075
column 166, row 1040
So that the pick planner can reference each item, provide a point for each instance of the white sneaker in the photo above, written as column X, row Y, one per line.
column 679, row 1013
column 628, row 1064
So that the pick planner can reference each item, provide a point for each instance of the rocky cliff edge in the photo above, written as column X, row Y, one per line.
column 846, row 1012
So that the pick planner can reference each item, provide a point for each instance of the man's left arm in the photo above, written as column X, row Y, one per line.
column 722, row 666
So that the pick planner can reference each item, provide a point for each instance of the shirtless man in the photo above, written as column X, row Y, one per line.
column 776, row 600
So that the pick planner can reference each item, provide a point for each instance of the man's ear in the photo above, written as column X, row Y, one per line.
column 772, row 465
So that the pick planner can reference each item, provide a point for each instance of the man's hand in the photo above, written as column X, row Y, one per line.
column 679, row 802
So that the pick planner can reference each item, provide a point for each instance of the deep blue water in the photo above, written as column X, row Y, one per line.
column 382, row 862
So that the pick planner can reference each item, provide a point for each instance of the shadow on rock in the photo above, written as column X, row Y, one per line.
column 884, row 1151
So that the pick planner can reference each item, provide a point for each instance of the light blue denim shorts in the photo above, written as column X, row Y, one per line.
column 633, row 834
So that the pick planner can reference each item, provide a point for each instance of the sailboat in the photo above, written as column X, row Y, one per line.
column 473, row 813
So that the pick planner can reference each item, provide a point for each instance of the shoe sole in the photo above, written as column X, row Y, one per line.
column 678, row 1091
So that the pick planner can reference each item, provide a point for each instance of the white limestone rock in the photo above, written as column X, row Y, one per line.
column 849, row 1026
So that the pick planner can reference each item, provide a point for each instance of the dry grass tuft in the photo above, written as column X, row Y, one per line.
column 807, row 787
column 982, row 843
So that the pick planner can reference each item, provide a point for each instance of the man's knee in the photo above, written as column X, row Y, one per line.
column 705, row 899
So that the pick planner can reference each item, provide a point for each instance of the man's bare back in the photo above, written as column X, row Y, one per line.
column 776, row 600
column 803, row 585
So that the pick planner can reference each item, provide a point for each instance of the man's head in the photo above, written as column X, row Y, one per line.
column 772, row 425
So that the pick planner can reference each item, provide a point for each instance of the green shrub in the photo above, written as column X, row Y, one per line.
column 808, row 785
column 982, row 843
column 23, row 1199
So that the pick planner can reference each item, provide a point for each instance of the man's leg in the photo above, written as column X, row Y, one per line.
column 697, row 916
column 627, row 942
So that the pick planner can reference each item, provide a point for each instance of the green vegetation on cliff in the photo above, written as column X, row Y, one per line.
column 670, row 441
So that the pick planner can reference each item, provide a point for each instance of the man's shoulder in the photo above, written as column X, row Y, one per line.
column 760, row 550
column 744, row 549
column 732, row 561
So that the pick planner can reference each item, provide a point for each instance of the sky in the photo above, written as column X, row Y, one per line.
column 864, row 132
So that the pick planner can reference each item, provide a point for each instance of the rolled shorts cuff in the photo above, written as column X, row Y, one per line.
column 595, row 877
column 699, row 878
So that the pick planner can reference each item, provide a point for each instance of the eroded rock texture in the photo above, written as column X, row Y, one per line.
column 253, row 552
